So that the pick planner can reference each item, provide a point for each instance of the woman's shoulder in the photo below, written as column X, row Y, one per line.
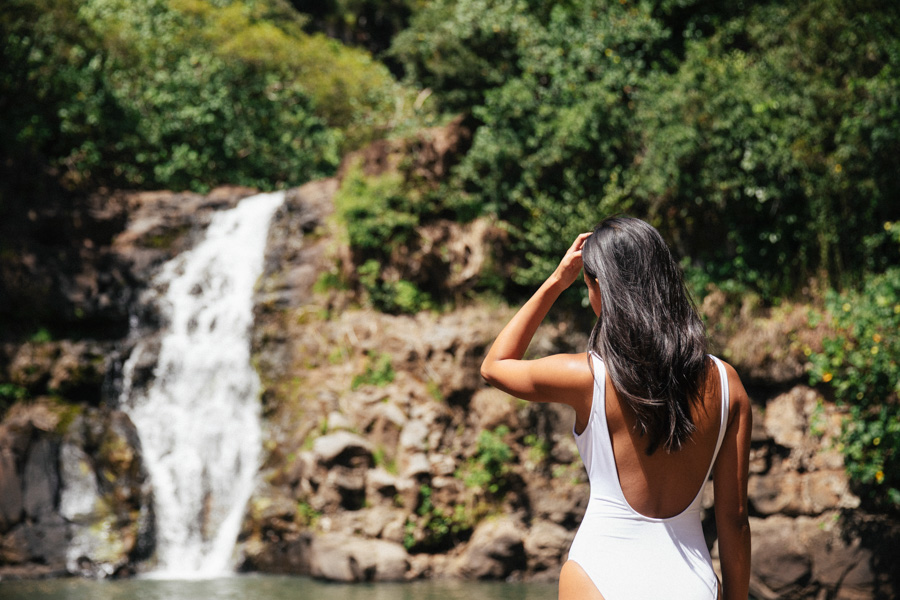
column 739, row 401
column 569, row 372
column 578, row 366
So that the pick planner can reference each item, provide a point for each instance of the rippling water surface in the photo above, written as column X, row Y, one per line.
column 269, row 588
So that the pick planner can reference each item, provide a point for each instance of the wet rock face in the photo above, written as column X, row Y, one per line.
column 74, row 495
column 56, row 269
column 75, row 264
column 73, row 369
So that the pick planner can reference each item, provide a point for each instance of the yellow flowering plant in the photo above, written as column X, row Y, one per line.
column 859, row 362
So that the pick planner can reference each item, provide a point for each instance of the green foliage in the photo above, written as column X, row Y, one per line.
column 11, row 393
column 759, row 160
column 538, row 448
column 350, row 90
column 369, row 23
column 439, row 527
column 183, row 93
column 859, row 361
column 376, row 211
column 307, row 516
column 42, row 335
column 461, row 49
column 381, row 220
column 380, row 458
column 556, row 121
column 329, row 280
column 379, row 370
column 761, row 141
column 487, row 469
column 398, row 297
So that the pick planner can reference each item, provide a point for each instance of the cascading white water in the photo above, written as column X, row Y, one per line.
column 198, row 420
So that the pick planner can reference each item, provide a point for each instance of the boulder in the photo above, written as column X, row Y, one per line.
column 560, row 504
column 785, row 418
column 41, row 478
column 338, row 422
column 339, row 557
column 780, row 559
column 773, row 492
column 414, row 436
column 47, row 541
column 448, row 491
column 11, row 504
column 823, row 556
column 416, row 466
column 492, row 408
column 381, row 519
column 546, row 544
column 786, row 491
column 287, row 556
column 14, row 547
column 350, row 484
column 380, row 483
column 80, row 493
column 383, row 423
column 344, row 448
column 495, row 551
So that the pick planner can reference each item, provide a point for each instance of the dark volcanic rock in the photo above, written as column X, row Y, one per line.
column 75, row 496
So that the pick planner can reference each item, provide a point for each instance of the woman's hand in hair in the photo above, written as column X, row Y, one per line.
column 559, row 378
column 570, row 266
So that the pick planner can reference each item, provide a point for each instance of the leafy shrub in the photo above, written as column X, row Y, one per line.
column 183, row 93
column 766, row 157
column 396, row 297
column 376, row 211
column 719, row 125
column 859, row 361
column 379, row 370
column 439, row 527
column 350, row 90
column 487, row 469
column 381, row 219
column 10, row 393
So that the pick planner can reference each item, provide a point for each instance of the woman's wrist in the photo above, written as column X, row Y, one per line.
column 556, row 283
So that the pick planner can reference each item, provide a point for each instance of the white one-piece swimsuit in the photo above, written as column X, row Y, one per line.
column 627, row 555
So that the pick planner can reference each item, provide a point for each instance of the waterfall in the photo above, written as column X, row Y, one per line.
column 198, row 420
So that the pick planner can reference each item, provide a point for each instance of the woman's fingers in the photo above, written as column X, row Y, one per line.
column 578, row 244
column 570, row 265
column 579, row 241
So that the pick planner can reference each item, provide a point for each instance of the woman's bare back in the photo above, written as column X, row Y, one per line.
column 663, row 484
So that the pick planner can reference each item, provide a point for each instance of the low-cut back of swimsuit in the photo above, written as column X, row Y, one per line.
column 627, row 555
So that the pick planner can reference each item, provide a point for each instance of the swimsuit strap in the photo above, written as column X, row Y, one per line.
column 723, row 417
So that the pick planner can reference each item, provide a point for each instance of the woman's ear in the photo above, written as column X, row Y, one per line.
column 593, row 286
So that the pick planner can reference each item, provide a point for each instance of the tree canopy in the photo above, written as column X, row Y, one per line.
column 762, row 140
column 183, row 93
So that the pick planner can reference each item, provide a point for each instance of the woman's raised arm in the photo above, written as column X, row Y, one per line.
column 558, row 378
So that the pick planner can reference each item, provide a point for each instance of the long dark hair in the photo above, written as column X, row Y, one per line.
column 649, row 334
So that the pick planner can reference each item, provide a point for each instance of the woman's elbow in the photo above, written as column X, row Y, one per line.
column 487, row 373
column 495, row 373
column 736, row 521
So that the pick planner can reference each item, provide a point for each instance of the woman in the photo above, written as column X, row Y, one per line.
column 654, row 416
